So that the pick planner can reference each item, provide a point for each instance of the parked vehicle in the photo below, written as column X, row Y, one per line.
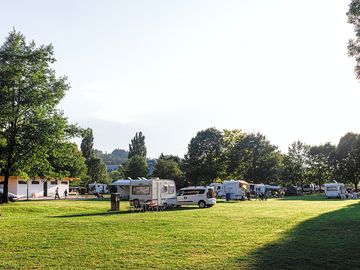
column 236, row 189
column 203, row 196
column 310, row 188
column 336, row 190
column 293, row 191
column 98, row 188
column 161, row 192
column 219, row 189
column 11, row 196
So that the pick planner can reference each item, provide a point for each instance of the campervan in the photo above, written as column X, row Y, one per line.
column 336, row 190
column 98, row 188
column 219, row 189
column 236, row 189
column 203, row 196
column 160, row 191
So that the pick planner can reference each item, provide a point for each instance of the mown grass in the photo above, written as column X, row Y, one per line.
column 302, row 233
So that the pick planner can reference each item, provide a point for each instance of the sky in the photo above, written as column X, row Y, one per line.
column 172, row 68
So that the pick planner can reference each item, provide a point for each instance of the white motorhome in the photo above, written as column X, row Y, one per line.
column 236, row 189
column 336, row 190
column 219, row 189
column 160, row 191
column 203, row 196
column 98, row 188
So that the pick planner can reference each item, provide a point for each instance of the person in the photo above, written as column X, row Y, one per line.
column 65, row 193
column 57, row 193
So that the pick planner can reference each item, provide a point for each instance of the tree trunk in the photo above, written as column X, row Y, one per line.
column 6, row 187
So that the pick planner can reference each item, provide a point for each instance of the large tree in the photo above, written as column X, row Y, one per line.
column 253, row 158
column 203, row 161
column 96, row 168
column 296, row 164
column 136, row 167
column 348, row 159
column 30, row 124
column 354, row 44
column 169, row 169
column 137, row 146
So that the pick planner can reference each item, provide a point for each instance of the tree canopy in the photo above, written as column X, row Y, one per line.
column 137, row 146
column 30, row 125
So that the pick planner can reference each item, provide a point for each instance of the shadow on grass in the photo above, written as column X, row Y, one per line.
column 329, row 241
column 312, row 197
column 111, row 213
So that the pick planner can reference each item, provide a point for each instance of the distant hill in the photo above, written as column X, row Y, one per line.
column 116, row 157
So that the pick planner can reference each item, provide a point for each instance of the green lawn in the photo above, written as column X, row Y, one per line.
column 297, row 233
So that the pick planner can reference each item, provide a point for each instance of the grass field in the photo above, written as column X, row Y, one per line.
column 298, row 233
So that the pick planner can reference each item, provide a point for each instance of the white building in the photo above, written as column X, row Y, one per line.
column 35, row 188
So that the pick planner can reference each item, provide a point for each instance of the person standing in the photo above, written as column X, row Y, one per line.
column 65, row 193
column 57, row 194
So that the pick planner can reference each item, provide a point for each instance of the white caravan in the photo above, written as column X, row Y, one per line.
column 236, row 189
column 196, row 195
column 336, row 190
column 160, row 191
column 219, row 189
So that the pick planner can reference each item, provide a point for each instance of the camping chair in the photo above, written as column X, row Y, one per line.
column 152, row 205
column 136, row 206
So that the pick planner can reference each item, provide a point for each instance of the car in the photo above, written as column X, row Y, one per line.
column 203, row 196
column 11, row 196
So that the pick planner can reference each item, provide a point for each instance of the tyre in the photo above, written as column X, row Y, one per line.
column 202, row 204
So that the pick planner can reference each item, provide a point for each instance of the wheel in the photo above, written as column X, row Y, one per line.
column 202, row 204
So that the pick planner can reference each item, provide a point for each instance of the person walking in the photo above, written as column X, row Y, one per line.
column 57, row 193
column 65, row 193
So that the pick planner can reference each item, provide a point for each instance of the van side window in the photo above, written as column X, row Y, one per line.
column 180, row 193
column 201, row 191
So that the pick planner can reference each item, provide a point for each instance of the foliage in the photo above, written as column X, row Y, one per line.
column 137, row 146
column 321, row 161
column 203, row 161
column 252, row 157
column 169, row 169
column 354, row 44
column 96, row 168
column 30, row 124
column 120, row 153
column 348, row 159
column 295, row 164
column 136, row 166
column 110, row 158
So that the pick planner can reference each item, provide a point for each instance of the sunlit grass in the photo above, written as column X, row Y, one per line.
column 84, row 235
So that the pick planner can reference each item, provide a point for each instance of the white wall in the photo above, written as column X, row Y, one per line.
column 37, row 190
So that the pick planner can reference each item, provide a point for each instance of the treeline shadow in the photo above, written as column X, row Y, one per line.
column 111, row 213
column 329, row 241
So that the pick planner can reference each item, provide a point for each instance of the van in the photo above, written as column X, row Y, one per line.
column 219, row 189
column 203, row 196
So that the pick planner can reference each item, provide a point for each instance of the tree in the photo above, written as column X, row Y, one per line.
column 295, row 164
column 96, row 168
column 321, row 161
column 136, row 167
column 348, row 159
column 354, row 44
column 169, row 169
column 120, row 153
column 253, row 158
column 137, row 146
column 203, row 161
column 30, row 124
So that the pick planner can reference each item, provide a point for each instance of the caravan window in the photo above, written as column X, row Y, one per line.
column 165, row 188
column 331, row 189
column 140, row 190
column 171, row 189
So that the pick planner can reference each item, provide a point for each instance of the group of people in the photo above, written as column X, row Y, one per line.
column 57, row 196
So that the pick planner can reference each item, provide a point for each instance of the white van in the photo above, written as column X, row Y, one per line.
column 197, row 195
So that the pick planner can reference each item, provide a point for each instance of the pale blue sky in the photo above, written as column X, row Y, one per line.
column 172, row 68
